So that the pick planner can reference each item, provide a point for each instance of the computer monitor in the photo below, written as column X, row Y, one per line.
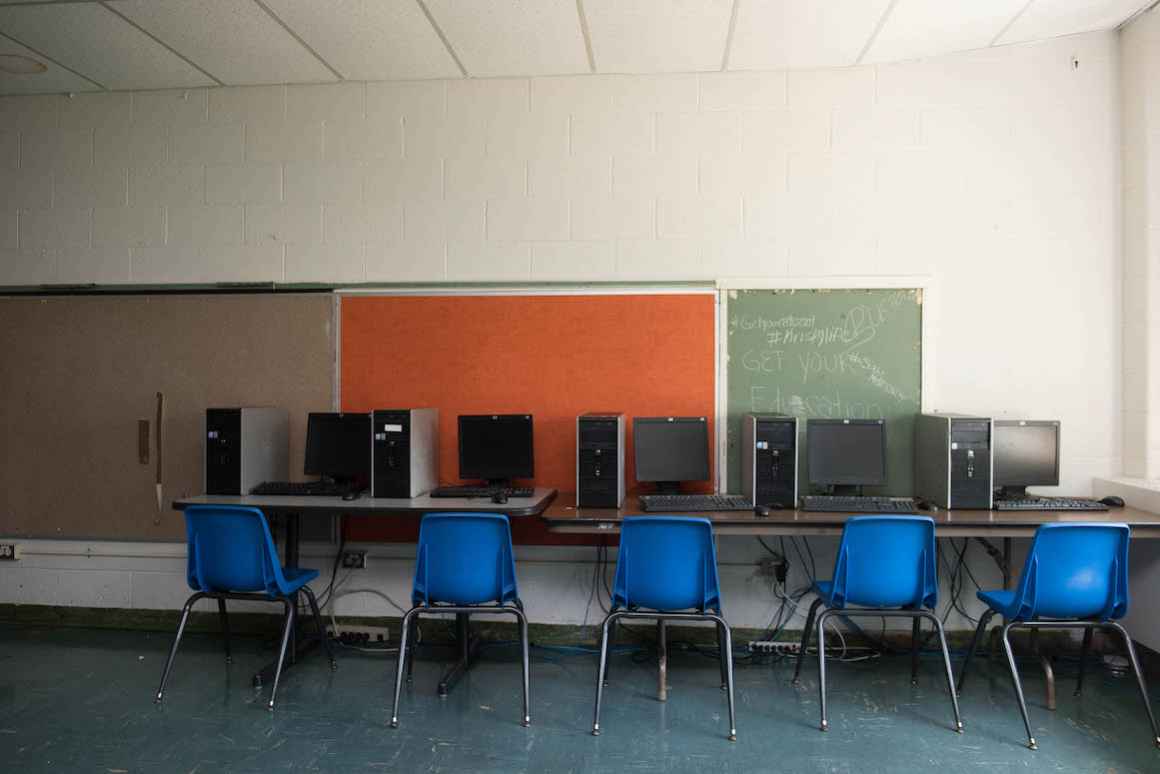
column 1026, row 453
column 669, row 450
column 846, row 454
column 338, row 446
column 496, row 447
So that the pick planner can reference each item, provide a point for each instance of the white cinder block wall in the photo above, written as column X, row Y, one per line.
column 1140, row 111
column 996, row 173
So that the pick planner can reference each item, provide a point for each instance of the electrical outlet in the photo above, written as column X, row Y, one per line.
column 354, row 560
column 9, row 552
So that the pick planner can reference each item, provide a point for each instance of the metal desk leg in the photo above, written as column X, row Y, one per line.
column 299, row 646
column 468, row 650
column 662, row 662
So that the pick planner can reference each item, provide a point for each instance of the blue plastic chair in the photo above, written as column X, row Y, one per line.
column 666, row 569
column 886, row 566
column 1076, row 575
column 231, row 555
column 464, row 565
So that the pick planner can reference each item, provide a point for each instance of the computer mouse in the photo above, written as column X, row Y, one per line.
column 923, row 504
column 761, row 511
column 499, row 498
column 1112, row 501
column 350, row 496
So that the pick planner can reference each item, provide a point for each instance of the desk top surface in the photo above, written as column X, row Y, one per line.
column 370, row 506
column 563, row 513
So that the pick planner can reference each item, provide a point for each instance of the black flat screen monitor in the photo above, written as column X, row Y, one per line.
column 496, row 447
column 668, row 450
column 1026, row 454
column 338, row 446
column 846, row 452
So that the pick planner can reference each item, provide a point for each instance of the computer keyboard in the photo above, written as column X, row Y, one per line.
column 858, row 504
column 304, row 489
column 481, row 491
column 694, row 502
column 1049, row 504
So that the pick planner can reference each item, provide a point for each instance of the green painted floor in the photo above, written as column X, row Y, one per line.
column 81, row 701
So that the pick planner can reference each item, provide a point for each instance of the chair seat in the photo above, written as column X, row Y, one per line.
column 297, row 577
column 1002, row 602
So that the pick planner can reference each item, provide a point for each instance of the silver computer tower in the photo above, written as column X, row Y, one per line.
column 953, row 460
column 244, row 447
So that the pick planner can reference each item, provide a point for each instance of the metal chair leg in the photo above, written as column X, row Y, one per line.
column 404, row 631
column 225, row 620
column 662, row 661
column 982, row 627
column 291, row 619
column 1139, row 679
column 727, row 649
column 610, row 618
column 173, row 648
column 1018, row 685
column 1083, row 657
column 722, row 630
column 797, row 672
column 822, row 666
column 942, row 641
column 526, row 659
column 611, row 641
column 414, row 633
column 321, row 628
column 915, row 633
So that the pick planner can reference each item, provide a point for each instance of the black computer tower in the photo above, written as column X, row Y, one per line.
column 953, row 464
column 600, row 460
column 404, row 452
column 769, row 459
column 244, row 447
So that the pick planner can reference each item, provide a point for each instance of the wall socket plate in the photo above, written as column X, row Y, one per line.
column 354, row 560
column 9, row 552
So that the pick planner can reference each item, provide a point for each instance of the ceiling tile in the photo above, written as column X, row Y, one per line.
column 658, row 36
column 233, row 40
column 54, row 80
column 920, row 28
column 789, row 34
column 369, row 40
column 1052, row 18
column 513, row 37
column 92, row 40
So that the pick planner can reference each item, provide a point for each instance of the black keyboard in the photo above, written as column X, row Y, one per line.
column 694, row 502
column 858, row 504
column 1049, row 504
column 481, row 491
column 303, row 489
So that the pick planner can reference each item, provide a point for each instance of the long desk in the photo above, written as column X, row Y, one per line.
column 294, row 508
column 981, row 525
column 564, row 517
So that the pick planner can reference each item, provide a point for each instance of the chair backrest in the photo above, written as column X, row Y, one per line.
column 464, row 559
column 1075, row 571
column 887, row 561
column 230, row 549
column 667, row 563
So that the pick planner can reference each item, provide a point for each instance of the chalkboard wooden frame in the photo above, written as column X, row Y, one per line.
column 926, row 284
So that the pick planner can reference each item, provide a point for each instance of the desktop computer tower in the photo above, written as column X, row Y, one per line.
column 404, row 452
column 244, row 447
column 953, row 461
column 600, row 460
column 769, row 459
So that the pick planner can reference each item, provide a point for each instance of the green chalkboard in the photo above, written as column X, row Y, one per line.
column 840, row 354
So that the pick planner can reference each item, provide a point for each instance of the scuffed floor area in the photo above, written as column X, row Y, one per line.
column 81, row 701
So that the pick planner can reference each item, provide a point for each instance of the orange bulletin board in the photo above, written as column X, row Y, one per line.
column 553, row 356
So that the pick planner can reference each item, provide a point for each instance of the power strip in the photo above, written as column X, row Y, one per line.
column 773, row 647
column 360, row 635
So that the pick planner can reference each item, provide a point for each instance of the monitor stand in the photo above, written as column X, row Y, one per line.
column 1011, row 493
column 667, row 487
column 845, row 490
column 499, row 483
